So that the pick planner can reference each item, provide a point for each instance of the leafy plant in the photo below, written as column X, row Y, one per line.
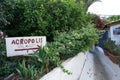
column 47, row 56
column 6, row 68
column 112, row 18
column 27, row 72
column 2, row 46
column 63, row 21
column 118, row 60
column 112, row 47
column 70, row 44
column 6, row 13
column 41, row 17
column 66, row 45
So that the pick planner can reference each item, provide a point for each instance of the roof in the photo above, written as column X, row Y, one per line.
column 112, row 23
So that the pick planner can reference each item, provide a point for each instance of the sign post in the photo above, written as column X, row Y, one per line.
column 24, row 45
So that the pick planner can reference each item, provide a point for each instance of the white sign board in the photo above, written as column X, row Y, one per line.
column 24, row 45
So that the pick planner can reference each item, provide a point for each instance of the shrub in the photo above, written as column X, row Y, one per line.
column 112, row 47
column 16, row 18
column 6, row 13
column 66, row 45
column 41, row 17
column 6, row 68
column 27, row 72
column 70, row 44
column 47, row 56
column 2, row 45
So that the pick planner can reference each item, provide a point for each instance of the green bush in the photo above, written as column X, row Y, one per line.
column 6, row 68
column 66, row 45
column 112, row 47
column 47, row 56
column 6, row 13
column 2, row 45
column 17, row 17
column 112, row 18
column 41, row 17
column 27, row 72
column 70, row 44
column 63, row 21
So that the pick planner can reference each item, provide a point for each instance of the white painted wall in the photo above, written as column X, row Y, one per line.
column 113, row 37
column 75, row 65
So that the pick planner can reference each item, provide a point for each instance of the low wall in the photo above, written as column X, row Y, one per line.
column 75, row 65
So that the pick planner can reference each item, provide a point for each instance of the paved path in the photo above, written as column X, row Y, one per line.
column 93, row 69
column 99, row 67
column 110, row 71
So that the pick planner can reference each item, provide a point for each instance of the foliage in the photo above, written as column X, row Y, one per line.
column 2, row 45
column 87, row 3
column 63, row 21
column 6, row 68
column 98, row 22
column 49, row 58
column 6, row 12
column 69, row 44
column 8, row 64
column 17, row 12
column 27, row 72
column 112, row 47
column 41, row 17
column 66, row 45
column 111, row 18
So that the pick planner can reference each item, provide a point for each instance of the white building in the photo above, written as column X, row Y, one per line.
column 113, row 29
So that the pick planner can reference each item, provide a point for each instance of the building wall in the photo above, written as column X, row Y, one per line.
column 114, row 33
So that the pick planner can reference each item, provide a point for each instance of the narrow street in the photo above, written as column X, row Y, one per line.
column 94, row 69
column 99, row 67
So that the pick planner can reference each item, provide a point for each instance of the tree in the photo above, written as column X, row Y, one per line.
column 87, row 3
column 6, row 13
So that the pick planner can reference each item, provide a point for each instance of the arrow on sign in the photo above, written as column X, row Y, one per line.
column 28, row 49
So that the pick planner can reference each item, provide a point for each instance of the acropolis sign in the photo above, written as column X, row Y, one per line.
column 24, row 45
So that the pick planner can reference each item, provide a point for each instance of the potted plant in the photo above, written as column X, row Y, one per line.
column 112, row 50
